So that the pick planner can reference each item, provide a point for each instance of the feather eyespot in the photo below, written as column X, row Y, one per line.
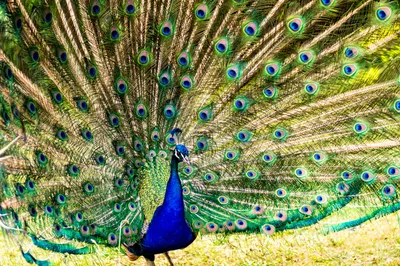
column 35, row 55
column 347, row 175
column 117, row 208
column 32, row 211
column 221, row 46
column 241, row 224
column 41, row 158
column 319, row 158
column 18, row 23
column 95, row 7
column 306, row 210
column 30, row 185
column 170, row 111
column 223, row 200
column 360, row 128
column 57, row 97
column 141, row 110
column 241, row 104
column 114, row 120
column 233, row 72
column 229, row 225
column 8, row 73
column 62, row 135
column 57, row 228
column 280, row 134
column 311, row 88
column 194, row 208
column 198, row 224
column 87, row 134
column 268, row 229
column 301, row 172
column 258, row 209
column 305, row 57
column 62, row 56
column 383, row 13
column 295, row 25
column 61, row 199
column 351, row 52
column 138, row 145
column 48, row 210
column 20, row 189
column 367, row 176
column 281, row 193
column 272, row 69
column 31, row 107
column 130, row 7
column 210, row 177
column 186, row 82
column 185, row 190
column 244, row 135
column 162, row 154
column 252, row 174
column 121, row 86
column 73, row 170
column 91, row 71
column 184, row 59
column 211, row 227
column 188, row 170
column 269, row 157
column 342, row 188
column 164, row 79
column 202, row 12
column 171, row 140
column 155, row 135
column 47, row 16
column 232, row 155
column 349, row 70
column 127, row 231
column 251, row 29
column 202, row 144
column 112, row 239
column 88, row 188
column 327, row 3
column 132, row 206
column 120, row 149
column 144, row 57
column 388, row 191
column 321, row 199
column 205, row 114
column 166, row 29
column 392, row 171
column 281, row 216
column 270, row 92
column 114, row 33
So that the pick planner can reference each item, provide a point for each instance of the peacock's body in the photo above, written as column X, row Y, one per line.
column 290, row 110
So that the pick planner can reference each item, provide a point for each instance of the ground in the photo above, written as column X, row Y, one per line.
column 373, row 243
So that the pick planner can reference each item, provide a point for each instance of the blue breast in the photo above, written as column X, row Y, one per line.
column 168, row 230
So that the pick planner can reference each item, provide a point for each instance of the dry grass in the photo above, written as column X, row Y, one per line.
column 374, row 243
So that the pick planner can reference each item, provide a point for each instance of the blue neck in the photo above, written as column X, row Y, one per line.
column 173, row 194
column 168, row 230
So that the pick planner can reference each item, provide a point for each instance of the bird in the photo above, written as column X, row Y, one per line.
column 138, row 125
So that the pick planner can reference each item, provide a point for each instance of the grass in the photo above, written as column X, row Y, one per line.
column 374, row 243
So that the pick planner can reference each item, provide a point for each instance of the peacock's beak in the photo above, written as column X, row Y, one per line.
column 186, row 159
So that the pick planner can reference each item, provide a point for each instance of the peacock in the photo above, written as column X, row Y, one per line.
column 138, row 125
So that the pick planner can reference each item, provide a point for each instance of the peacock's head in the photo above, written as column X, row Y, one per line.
column 182, row 153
